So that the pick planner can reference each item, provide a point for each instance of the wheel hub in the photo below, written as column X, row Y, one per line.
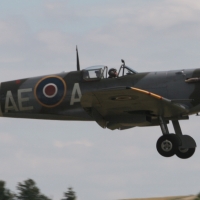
column 166, row 146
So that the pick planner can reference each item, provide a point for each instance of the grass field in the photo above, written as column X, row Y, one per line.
column 191, row 197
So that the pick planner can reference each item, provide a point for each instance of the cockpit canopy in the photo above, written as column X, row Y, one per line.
column 125, row 70
column 99, row 72
column 95, row 73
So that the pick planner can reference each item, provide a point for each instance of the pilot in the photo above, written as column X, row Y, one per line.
column 112, row 73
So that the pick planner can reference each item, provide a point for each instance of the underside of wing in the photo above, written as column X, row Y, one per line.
column 129, row 107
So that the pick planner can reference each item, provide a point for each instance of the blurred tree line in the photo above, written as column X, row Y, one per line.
column 29, row 191
column 198, row 197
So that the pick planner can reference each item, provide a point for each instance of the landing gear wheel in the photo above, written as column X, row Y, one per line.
column 167, row 145
column 185, row 153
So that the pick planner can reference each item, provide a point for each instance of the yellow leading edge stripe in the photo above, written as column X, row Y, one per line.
column 148, row 93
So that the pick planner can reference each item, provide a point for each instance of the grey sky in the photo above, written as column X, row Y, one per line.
column 39, row 37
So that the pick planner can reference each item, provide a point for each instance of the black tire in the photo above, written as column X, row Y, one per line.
column 167, row 145
column 185, row 153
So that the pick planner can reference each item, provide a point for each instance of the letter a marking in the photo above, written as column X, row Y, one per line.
column 9, row 98
column 76, row 91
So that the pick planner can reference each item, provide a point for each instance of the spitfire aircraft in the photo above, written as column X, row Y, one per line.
column 125, row 100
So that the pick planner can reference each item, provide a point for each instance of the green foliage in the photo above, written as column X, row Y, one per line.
column 29, row 191
column 70, row 195
column 198, row 197
column 5, row 194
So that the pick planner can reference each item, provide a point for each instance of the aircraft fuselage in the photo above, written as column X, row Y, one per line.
column 26, row 98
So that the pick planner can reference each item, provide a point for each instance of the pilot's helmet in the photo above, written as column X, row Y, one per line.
column 112, row 72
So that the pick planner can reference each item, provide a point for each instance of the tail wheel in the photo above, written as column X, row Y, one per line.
column 185, row 153
column 167, row 145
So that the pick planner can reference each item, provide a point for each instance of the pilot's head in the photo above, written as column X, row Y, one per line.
column 112, row 73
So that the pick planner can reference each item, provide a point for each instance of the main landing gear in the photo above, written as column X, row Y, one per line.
column 170, row 144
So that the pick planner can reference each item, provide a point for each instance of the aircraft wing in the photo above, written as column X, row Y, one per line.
column 117, row 101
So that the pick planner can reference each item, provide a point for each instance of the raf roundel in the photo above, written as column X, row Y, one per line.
column 50, row 91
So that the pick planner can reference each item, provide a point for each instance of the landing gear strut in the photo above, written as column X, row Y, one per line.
column 170, row 144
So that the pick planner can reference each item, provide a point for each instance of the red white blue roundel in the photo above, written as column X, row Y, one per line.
column 50, row 91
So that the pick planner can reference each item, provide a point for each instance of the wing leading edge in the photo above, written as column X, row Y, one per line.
column 163, row 106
